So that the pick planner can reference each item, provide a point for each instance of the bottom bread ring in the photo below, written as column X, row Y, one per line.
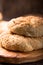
column 20, row 43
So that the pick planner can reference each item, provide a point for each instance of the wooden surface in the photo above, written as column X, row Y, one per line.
column 19, row 57
column 40, row 62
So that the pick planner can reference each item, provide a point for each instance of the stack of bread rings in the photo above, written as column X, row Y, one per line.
column 23, row 34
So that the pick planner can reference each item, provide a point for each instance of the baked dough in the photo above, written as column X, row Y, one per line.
column 28, row 26
column 20, row 43
column 4, row 27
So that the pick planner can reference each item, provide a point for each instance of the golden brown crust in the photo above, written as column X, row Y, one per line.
column 28, row 26
column 20, row 43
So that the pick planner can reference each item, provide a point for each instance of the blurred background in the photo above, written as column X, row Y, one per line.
column 13, row 8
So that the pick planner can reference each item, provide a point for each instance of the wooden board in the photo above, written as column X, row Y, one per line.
column 19, row 57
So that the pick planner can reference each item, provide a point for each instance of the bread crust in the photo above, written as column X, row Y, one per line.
column 4, row 27
column 20, row 43
column 28, row 26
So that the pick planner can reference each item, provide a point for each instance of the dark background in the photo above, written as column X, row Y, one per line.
column 15, row 8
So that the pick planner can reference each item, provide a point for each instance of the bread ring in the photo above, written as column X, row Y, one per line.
column 20, row 43
column 28, row 26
